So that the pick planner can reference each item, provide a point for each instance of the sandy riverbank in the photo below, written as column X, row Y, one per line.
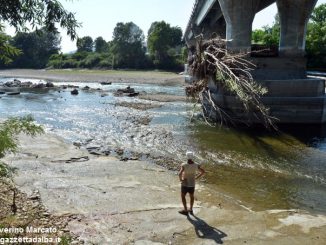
column 121, row 76
column 136, row 202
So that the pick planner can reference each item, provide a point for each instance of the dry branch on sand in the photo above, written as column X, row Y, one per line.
column 232, row 72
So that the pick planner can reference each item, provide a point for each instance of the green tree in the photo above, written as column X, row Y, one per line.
column 161, row 39
column 318, row 16
column 7, row 51
column 101, row 46
column 268, row 35
column 56, row 61
column 127, row 46
column 258, row 36
column 36, row 47
column 85, row 44
column 316, row 38
column 36, row 13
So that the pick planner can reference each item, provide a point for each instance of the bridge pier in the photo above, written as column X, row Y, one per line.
column 239, row 16
column 292, row 96
column 294, row 16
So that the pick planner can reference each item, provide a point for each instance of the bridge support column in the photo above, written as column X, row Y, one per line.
column 239, row 15
column 294, row 15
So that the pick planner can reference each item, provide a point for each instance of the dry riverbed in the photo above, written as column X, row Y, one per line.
column 108, row 201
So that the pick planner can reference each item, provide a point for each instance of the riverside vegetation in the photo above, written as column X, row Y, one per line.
column 41, row 48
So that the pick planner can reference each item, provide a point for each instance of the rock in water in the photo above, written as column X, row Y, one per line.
column 39, row 85
column 15, row 83
column 106, row 83
column 74, row 92
column 13, row 93
column 49, row 85
column 128, row 91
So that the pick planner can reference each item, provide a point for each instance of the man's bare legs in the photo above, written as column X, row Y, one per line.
column 184, row 201
column 192, row 199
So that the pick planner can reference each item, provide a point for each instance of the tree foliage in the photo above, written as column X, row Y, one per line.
column 101, row 46
column 36, row 48
column 85, row 44
column 80, row 60
column 7, row 51
column 127, row 46
column 316, row 38
column 268, row 35
column 12, row 127
column 35, row 13
column 318, row 16
column 38, row 13
column 162, row 38
column 9, row 130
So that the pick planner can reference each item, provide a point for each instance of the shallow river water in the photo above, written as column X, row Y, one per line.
column 262, row 169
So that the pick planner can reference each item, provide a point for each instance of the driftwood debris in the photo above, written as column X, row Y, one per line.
column 232, row 72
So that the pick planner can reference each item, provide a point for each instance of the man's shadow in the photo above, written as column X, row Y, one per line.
column 205, row 231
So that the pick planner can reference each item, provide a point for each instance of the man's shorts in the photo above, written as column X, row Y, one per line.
column 186, row 189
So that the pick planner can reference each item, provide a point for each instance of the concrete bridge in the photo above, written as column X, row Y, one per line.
column 293, row 97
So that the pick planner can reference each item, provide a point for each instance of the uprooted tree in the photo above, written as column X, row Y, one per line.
column 230, row 71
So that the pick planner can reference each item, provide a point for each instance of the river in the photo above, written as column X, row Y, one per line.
column 257, row 168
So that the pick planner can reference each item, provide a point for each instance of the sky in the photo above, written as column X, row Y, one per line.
column 99, row 17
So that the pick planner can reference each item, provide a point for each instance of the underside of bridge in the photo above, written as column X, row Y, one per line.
column 292, row 96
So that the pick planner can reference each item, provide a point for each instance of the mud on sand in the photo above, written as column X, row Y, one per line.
column 136, row 202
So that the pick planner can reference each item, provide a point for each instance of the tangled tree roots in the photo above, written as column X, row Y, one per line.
column 232, row 74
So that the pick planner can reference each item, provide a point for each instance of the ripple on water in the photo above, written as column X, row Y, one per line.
column 264, row 169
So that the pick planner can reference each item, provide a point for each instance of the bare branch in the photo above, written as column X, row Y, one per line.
column 232, row 72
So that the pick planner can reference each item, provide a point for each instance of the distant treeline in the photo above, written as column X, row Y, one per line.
column 128, row 49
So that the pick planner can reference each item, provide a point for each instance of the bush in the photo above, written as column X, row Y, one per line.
column 106, row 63
column 80, row 55
column 56, row 61
column 9, row 130
column 92, row 60
column 6, row 171
column 70, row 63
column 55, row 64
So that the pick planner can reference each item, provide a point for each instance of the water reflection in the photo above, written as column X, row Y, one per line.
column 265, row 169
column 309, row 134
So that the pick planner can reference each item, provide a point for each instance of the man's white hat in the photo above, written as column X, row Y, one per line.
column 190, row 155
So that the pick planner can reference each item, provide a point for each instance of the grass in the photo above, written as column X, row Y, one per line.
column 65, row 240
